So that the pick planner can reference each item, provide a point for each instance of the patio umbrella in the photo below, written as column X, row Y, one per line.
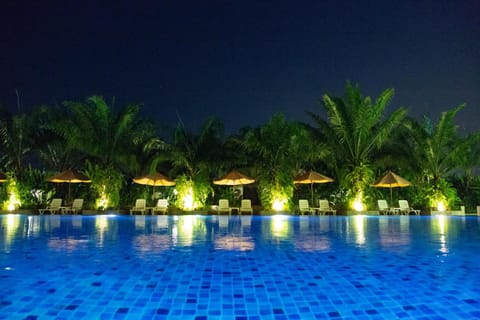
column 311, row 177
column 391, row 180
column 233, row 178
column 154, row 179
column 69, row 176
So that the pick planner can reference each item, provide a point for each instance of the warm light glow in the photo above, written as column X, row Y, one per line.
column 441, row 206
column 187, row 228
column 13, row 201
column 278, row 205
column 186, row 225
column 441, row 223
column 279, row 226
column 357, row 204
column 10, row 226
column 188, row 201
column 442, row 228
column 359, row 229
column 104, row 200
column 101, row 223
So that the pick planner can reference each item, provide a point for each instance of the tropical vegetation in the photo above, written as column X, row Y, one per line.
column 357, row 141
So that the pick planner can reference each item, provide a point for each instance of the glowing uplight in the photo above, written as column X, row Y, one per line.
column 103, row 202
column 357, row 204
column 278, row 205
column 188, row 201
column 13, row 201
column 441, row 206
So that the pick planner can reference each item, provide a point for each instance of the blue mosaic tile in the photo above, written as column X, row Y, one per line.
column 210, row 267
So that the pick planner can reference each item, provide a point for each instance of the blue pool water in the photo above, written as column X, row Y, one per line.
column 210, row 267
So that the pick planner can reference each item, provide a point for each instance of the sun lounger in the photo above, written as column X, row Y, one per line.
column 54, row 207
column 162, row 206
column 304, row 207
column 384, row 209
column 140, row 206
column 77, row 206
column 405, row 208
column 324, row 208
column 224, row 206
column 245, row 206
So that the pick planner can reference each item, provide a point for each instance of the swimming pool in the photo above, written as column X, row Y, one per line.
column 239, row 267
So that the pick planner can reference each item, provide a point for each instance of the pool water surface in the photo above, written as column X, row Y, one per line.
column 239, row 267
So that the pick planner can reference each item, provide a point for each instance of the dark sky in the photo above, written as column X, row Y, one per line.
column 241, row 61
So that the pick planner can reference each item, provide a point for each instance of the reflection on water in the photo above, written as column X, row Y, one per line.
column 234, row 243
column 359, row 227
column 157, row 234
column 394, row 233
column 280, row 226
column 10, row 226
column 440, row 228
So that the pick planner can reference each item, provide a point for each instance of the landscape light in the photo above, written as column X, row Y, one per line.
column 441, row 206
column 278, row 205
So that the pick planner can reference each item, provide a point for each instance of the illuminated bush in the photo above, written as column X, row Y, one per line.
column 191, row 195
column 13, row 195
column 440, row 195
column 357, row 203
column 106, row 182
column 276, row 197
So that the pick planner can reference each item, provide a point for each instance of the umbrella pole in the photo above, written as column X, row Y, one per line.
column 391, row 197
column 311, row 190
column 233, row 194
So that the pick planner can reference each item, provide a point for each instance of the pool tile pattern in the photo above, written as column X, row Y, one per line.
column 211, row 267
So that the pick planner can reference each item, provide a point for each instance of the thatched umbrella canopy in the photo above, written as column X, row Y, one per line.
column 391, row 180
column 69, row 176
column 233, row 178
column 311, row 177
column 155, row 179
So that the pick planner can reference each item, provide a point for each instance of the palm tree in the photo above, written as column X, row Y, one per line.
column 16, row 133
column 108, row 141
column 356, row 127
column 436, row 152
column 278, row 150
column 196, row 158
column 468, row 183
column 197, row 153
column 96, row 130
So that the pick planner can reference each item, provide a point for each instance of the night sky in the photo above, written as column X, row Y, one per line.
column 241, row 61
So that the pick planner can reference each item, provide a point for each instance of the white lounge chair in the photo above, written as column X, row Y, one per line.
column 55, row 206
column 384, row 209
column 304, row 207
column 324, row 208
column 77, row 206
column 405, row 208
column 162, row 206
column 140, row 206
column 246, row 206
column 224, row 206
